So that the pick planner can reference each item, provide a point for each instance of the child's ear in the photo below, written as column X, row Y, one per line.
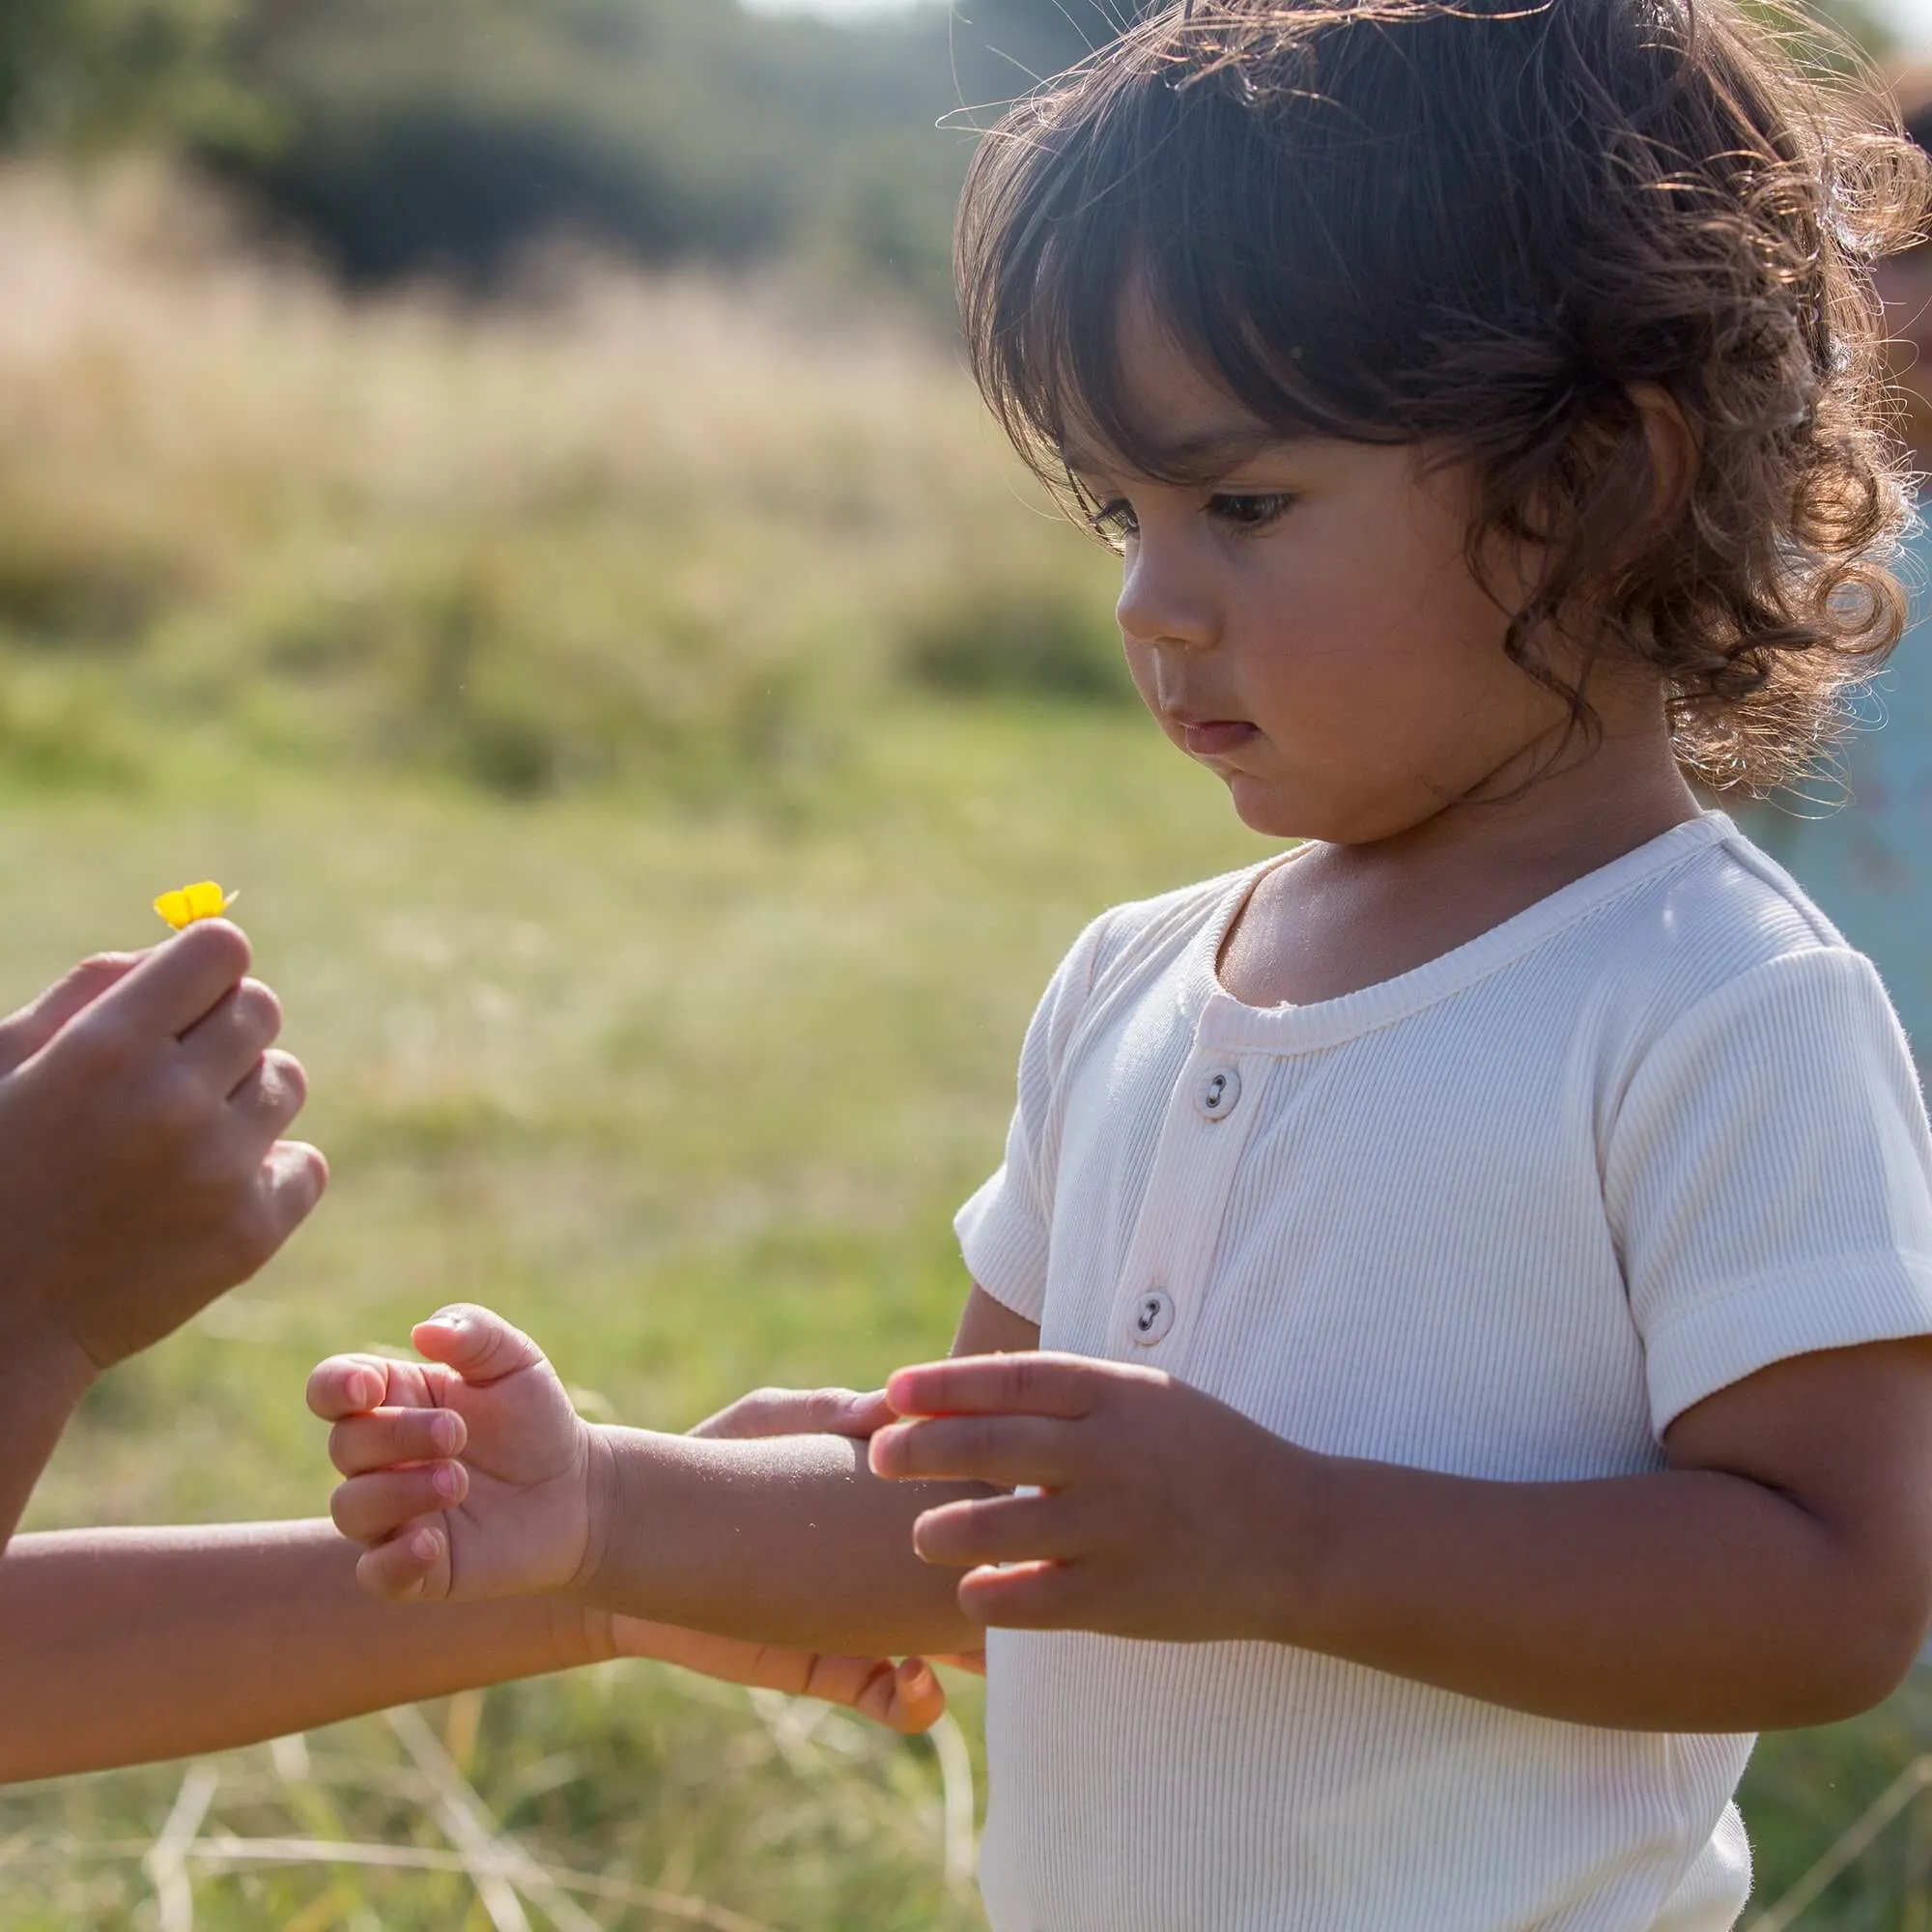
column 1675, row 447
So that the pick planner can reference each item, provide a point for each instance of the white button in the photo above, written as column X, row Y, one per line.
column 1218, row 1093
column 1154, row 1316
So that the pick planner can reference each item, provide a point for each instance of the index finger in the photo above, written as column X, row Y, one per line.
column 176, row 983
column 1067, row 1386
column 347, row 1385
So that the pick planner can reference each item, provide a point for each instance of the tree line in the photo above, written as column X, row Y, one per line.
column 444, row 136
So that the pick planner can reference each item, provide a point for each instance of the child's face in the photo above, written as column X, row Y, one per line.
column 1306, row 625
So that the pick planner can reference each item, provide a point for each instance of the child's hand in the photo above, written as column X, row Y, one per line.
column 469, row 1474
column 488, row 1409
column 141, row 1168
column 1164, row 1513
column 907, row 1698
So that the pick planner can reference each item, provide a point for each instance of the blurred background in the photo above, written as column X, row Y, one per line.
column 493, row 481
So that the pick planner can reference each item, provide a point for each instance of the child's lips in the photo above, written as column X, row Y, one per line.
column 1214, row 736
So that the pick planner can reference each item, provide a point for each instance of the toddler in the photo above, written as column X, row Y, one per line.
column 1447, row 1359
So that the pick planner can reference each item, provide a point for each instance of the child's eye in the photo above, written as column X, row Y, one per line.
column 1251, row 513
column 1113, row 521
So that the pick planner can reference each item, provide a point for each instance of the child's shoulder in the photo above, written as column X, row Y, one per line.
column 1704, row 950
column 1726, row 910
column 1146, row 931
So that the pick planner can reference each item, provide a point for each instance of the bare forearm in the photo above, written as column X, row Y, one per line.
column 789, row 1542
column 1692, row 1601
column 120, row 1646
column 40, row 1385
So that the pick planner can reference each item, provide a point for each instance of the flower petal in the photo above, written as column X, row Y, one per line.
column 202, row 901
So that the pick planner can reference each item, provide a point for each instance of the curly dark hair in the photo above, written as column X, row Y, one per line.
column 1490, row 226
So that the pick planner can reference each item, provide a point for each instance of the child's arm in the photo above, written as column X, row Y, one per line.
column 471, row 1476
column 118, row 1646
column 1780, row 1573
column 141, row 1171
column 122, row 1646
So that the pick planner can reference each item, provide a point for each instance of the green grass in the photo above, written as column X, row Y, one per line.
column 692, row 1097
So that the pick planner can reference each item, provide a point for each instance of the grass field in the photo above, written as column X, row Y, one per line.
column 579, row 699
column 691, row 1098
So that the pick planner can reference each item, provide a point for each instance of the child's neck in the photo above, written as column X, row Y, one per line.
column 1344, row 917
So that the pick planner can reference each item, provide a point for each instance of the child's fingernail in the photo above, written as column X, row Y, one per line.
column 917, row 1676
column 444, row 1480
column 443, row 1433
column 425, row 1545
column 363, row 1392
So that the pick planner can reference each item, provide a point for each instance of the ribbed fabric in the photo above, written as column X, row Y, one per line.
column 1503, row 1216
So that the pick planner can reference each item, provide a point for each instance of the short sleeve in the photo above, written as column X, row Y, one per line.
column 1003, row 1228
column 1769, row 1178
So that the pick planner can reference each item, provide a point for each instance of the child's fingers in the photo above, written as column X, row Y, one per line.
column 1006, row 1449
column 360, row 1444
column 778, row 1412
column 1025, row 1596
column 906, row 1698
column 411, row 1568
column 477, row 1342
column 997, row 1529
column 372, row 1508
column 175, row 985
column 227, row 1041
column 1033, row 1384
column 350, row 1384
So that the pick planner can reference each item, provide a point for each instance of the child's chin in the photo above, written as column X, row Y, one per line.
column 1262, row 808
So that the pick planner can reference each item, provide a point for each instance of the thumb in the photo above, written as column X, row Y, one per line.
column 24, row 1034
column 477, row 1342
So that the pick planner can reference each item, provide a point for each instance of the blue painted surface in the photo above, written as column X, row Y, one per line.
column 1868, row 863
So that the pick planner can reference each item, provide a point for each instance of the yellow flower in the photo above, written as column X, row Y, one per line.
column 183, row 908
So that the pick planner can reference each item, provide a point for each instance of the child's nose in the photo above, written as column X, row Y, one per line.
column 1161, row 604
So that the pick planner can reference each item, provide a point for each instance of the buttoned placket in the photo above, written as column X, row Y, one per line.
column 1170, row 1261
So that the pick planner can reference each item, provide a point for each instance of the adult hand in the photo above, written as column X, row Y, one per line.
column 142, row 1168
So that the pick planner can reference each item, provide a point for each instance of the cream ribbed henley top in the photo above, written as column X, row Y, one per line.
column 1504, row 1216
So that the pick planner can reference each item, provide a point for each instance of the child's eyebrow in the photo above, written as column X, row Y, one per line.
column 1198, row 456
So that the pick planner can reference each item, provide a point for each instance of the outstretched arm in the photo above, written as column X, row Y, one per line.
column 471, row 1476
column 122, row 1646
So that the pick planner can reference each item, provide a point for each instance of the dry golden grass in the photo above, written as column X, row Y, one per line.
column 616, row 530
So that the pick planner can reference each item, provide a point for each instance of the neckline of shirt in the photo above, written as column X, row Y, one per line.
column 1223, row 1020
